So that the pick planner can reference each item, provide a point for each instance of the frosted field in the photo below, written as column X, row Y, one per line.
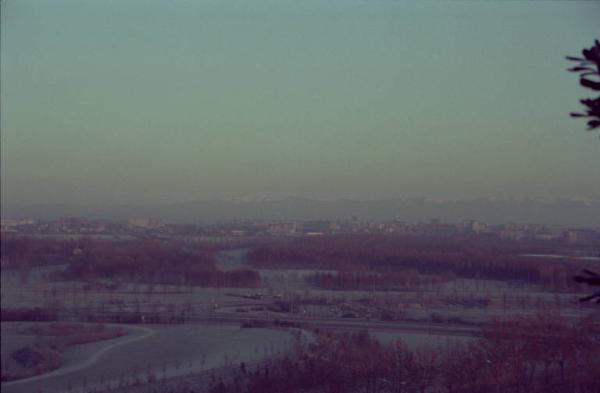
column 231, row 259
column 10, row 340
column 450, row 299
column 277, row 279
column 161, row 351
column 455, row 299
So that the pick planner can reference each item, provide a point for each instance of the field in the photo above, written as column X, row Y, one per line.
column 176, row 326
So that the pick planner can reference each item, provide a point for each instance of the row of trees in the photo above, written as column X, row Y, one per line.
column 364, row 280
column 156, row 263
column 541, row 354
column 17, row 251
column 460, row 255
column 142, row 261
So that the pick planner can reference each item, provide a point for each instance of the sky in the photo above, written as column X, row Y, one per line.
column 124, row 101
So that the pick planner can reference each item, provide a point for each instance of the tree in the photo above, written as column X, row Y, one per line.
column 588, row 68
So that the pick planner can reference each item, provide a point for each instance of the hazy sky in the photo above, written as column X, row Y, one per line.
column 152, row 101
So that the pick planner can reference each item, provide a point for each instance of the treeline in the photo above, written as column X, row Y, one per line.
column 19, row 250
column 154, row 262
column 463, row 256
column 27, row 314
column 361, row 280
column 150, row 261
column 534, row 355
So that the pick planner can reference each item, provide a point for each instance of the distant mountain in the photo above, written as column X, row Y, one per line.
column 527, row 210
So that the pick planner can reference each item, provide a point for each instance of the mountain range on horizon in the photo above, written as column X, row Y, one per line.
column 573, row 212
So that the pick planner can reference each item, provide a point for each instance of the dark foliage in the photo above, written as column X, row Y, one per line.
column 588, row 68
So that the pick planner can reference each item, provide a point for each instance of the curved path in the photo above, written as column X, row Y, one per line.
column 147, row 332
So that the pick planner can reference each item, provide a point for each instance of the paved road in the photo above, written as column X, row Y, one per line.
column 296, row 320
